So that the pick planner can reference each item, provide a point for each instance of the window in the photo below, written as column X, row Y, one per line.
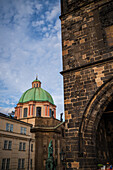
column 9, row 127
column 20, row 146
column 5, row 164
column 33, row 110
column 34, row 85
column 31, row 147
column 8, row 164
column 50, row 112
column 10, row 145
column 21, row 163
column 25, row 112
column 23, row 130
column 24, row 146
column 31, row 163
column 37, row 85
column 7, row 144
column 38, row 111
column 23, row 160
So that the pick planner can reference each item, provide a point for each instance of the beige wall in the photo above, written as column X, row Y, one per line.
column 16, row 137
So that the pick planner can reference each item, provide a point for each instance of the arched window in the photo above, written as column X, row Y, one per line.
column 38, row 111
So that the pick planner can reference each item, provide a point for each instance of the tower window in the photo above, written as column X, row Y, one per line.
column 38, row 111
column 25, row 112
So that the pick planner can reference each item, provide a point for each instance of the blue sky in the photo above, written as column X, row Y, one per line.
column 30, row 44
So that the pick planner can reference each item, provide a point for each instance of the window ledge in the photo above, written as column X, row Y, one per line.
column 7, row 149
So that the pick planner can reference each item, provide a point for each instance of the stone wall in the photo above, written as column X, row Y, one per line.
column 87, row 50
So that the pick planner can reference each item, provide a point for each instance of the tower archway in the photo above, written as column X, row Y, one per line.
column 94, row 138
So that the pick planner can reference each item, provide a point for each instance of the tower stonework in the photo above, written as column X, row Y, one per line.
column 87, row 50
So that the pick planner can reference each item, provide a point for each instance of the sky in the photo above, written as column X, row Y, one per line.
column 30, row 44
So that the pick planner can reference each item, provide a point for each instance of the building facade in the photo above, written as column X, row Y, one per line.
column 17, row 144
column 87, row 50
column 36, row 106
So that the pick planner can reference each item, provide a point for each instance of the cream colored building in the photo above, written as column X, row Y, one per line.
column 17, row 144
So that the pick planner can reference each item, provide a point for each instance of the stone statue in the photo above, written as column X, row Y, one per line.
column 50, row 163
column 50, row 149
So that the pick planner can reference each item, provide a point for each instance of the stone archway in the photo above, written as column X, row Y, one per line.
column 104, row 136
column 90, row 122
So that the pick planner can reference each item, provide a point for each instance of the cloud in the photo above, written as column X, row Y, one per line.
column 29, row 45
column 52, row 14
column 37, row 23
column 6, row 110
column 38, row 6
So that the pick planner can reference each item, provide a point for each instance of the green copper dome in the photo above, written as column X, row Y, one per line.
column 36, row 94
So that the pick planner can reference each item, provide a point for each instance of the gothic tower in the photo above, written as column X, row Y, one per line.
column 87, row 50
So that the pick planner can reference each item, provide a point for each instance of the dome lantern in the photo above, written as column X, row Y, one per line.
column 36, row 83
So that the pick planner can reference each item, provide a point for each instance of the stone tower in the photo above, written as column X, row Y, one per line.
column 87, row 50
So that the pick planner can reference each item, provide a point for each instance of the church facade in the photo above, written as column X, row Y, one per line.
column 87, row 50
column 36, row 106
